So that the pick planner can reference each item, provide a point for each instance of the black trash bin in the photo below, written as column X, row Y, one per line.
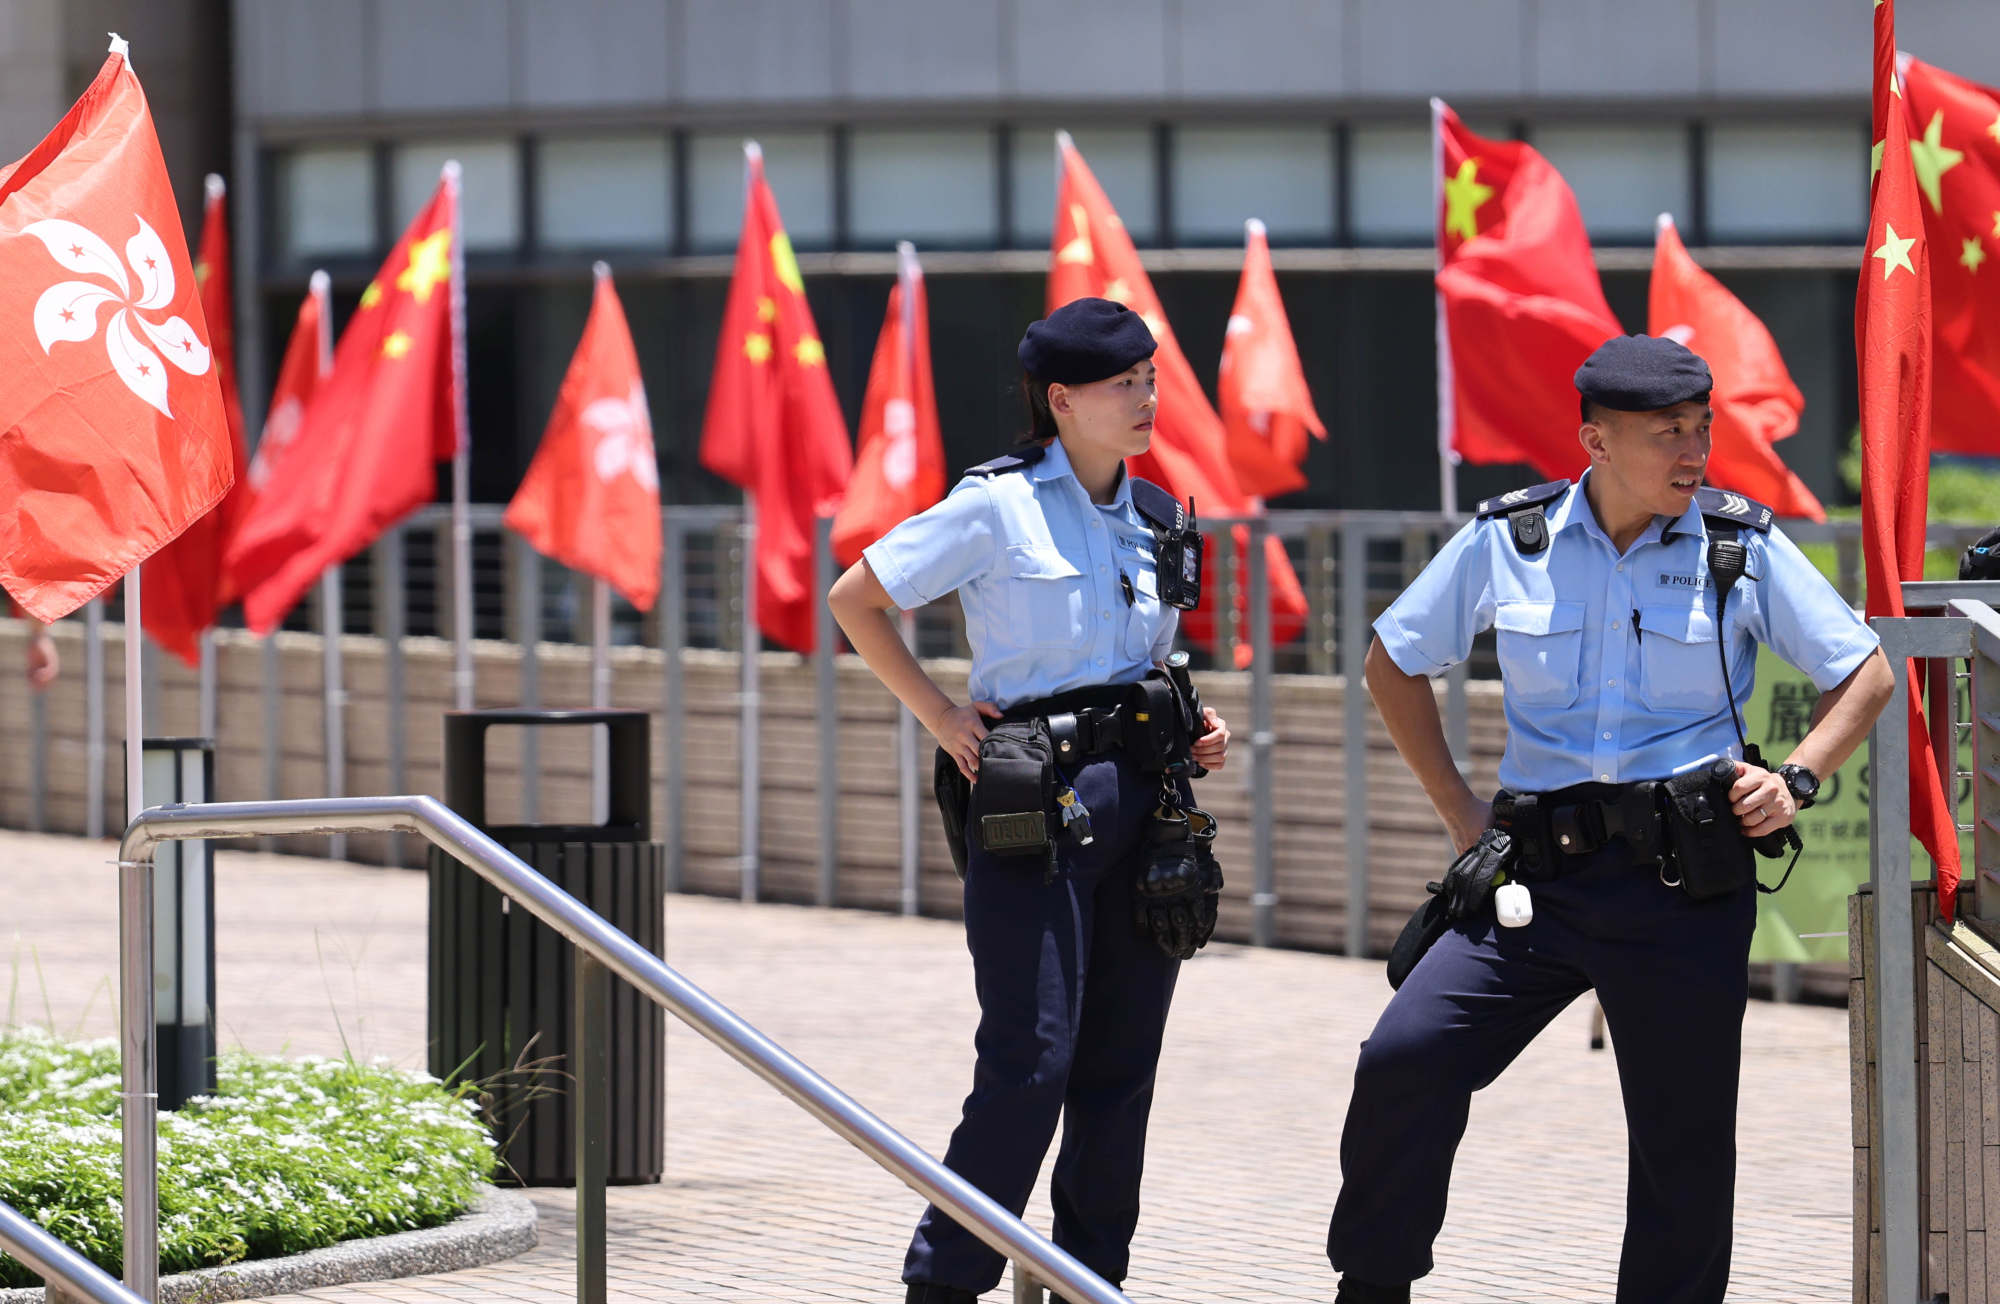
column 502, row 983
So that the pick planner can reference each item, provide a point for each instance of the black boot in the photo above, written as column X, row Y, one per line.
column 1364, row 1292
column 928, row 1292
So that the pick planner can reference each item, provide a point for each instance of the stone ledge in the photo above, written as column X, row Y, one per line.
column 499, row 1226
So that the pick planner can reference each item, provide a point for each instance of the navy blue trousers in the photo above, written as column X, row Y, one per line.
column 1672, row 975
column 1072, row 1007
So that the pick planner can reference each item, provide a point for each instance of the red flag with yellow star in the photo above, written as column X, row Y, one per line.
column 773, row 425
column 1755, row 402
column 1892, row 345
column 364, row 454
column 1091, row 255
column 1520, row 301
column 1954, row 130
column 113, row 438
column 186, row 583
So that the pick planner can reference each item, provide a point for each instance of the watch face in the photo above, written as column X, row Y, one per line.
column 1804, row 786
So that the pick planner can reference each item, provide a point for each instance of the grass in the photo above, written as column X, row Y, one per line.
column 287, row 1156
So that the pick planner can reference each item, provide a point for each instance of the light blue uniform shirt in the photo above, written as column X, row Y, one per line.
column 1037, row 566
column 1608, row 663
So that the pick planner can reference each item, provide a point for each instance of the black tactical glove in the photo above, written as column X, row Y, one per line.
column 1470, row 880
column 1174, row 900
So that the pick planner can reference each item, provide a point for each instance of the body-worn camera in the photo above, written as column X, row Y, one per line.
column 1178, row 552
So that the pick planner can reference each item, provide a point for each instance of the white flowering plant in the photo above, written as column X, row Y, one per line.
column 286, row 1156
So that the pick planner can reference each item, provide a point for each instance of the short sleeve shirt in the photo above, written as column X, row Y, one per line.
column 1612, row 664
column 1059, row 592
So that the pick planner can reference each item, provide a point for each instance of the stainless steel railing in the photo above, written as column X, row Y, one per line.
column 59, row 1266
column 599, row 947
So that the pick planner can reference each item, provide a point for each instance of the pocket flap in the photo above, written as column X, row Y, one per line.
column 1532, row 616
column 1034, row 562
column 1681, row 623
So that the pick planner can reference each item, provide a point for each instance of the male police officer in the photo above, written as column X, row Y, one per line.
column 1612, row 649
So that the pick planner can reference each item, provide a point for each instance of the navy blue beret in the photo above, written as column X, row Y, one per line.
column 1085, row 340
column 1643, row 373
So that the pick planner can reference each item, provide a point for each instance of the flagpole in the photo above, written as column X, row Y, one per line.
column 135, row 700
column 600, row 661
column 1447, row 417
column 213, row 187
column 753, row 155
column 908, row 276
column 461, row 462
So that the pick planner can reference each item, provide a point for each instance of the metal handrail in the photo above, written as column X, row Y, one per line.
column 56, row 1263
column 971, row 1208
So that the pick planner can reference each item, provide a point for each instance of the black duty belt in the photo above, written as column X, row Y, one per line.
column 1583, row 818
column 1083, row 722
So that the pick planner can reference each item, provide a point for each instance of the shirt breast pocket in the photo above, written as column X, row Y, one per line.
column 1679, row 667
column 1142, row 622
column 1045, row 597
column 1540, row 644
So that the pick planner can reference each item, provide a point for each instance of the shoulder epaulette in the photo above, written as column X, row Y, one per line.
column 1157, row 505
column 1520, row 500
column 1019, row 459
column 1726, row 507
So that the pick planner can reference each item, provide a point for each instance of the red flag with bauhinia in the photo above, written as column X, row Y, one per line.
column 591, row 498
column 1091, row 255
column 186, row 584
column 1261, row 389
column 363, row 459
column 1892, row 345
column 1520, row 300
column 899, row 469
column 773, row 425
column 1954, row 130
column 113, row 435
column 308, row 362
column 1755, row 402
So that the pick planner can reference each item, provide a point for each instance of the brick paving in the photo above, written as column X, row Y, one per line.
column 761, row 1203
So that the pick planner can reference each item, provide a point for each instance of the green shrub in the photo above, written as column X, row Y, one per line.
column 287, row 1156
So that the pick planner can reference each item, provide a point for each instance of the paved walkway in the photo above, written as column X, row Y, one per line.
column 761, row 1203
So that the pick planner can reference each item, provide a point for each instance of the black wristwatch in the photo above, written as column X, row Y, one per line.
column 1802, row 783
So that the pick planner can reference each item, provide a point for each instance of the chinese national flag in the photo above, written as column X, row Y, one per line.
column 1266, row 408
column 899, row 470
column 1091, row 255
column 1756, row 404
column 308, row 362
column 773, row 425
column 591, row 498
column 186, row 585
column 363, row 457
column 113, row 433
column 1520, row 299
column 1892, row 344
column 1954, row 130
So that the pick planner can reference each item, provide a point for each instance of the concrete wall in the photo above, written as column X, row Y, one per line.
column 316, row 58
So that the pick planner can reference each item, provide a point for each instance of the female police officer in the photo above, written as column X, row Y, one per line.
column 1053, row 553
column 1617, row 601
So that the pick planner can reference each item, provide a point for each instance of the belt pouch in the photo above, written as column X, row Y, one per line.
column 953, row 794
column 1016, row 788
column 1709, row 848
column 1153, row 734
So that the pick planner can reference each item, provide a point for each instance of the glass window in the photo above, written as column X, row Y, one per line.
column 490, row 193
column 799, row 165
column 1121, row 158
column 597, row 191
column 1787, row 180
column 327, row 201
column 930, row 186
column 1389, row 180
column 1624, row 176
column 1224, row 174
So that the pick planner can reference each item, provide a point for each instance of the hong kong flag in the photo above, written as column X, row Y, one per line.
column 1261, row 388
column 899, row 470
column 113, row 432
column 591, row 498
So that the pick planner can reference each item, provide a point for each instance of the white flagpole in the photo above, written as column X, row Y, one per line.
column 135, row 700
column 909, row 276
column 751, row 775
column 600, row 663
column 461, row 461
column 1447, row 418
